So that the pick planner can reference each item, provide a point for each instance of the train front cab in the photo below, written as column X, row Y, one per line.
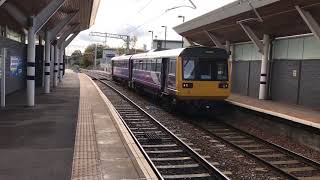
column 202, row 80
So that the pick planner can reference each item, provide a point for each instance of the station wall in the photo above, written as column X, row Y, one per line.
column 16, row 51
column 246, row 70
column 295, row 71
column 294, row 75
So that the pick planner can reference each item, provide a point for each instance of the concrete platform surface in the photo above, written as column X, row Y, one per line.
column 37, row 143
column 295, row 113
column 103, row 150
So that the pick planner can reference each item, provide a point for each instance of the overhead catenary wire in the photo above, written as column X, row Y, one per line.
column 193, row 6
column 144, row 7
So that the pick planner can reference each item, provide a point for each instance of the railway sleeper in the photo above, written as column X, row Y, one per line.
column 187, row 176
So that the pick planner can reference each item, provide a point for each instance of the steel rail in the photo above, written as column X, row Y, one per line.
column 276, row 147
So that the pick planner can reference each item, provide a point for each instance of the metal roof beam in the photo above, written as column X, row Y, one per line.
column 17, row 14
column 310, row 21
column 70, row 39
column 44, row 16
column 52, row 33
column 2, row 1
column 214, row 39
column 189, row 41
column 253, row 37
column 65, row 35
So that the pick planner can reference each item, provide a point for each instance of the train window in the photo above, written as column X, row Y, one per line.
column 149, row 66
column 145, row 65
column 172, row 67
column 204, row 70
column 153, row 64
column 189, row 69
column 134, row 65
column 222, row 71
column 158, row 66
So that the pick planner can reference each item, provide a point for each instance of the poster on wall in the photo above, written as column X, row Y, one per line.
column 15, row 66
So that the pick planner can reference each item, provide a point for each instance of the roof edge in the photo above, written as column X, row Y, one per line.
column 94, row 11
column 229, row 10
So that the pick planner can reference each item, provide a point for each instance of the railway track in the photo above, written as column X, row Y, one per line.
column 286, row 162
column 168, row 155
column 282, row 160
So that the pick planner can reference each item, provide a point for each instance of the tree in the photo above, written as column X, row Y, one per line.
column 133, row 42
column 132, row 47
column 89, row 54
column 75, row 57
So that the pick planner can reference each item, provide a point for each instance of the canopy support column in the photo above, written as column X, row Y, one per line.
column 264, row 68
column 47, row 64
column 31, row 64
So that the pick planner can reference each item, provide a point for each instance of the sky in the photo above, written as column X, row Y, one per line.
column 137, row 17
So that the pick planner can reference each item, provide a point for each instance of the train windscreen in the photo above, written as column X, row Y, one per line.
column 205, row 69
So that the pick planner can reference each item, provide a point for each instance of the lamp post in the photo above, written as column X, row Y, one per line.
column 95, row 56
column 183, row 18
column 151, row 38
column 165, row 36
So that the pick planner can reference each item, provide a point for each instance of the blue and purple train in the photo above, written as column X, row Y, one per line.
column 193, row 75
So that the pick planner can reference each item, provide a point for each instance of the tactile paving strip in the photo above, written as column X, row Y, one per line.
column 86, row 165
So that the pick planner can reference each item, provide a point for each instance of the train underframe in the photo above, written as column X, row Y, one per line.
column 174, row 103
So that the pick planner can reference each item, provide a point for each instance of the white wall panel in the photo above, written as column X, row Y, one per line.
column 247, row 51
column 311, row 48
column 238, row 54
column 295, row 48
column 280, row 50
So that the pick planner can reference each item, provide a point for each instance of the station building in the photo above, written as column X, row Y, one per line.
column 166, row 44
column 274, row 44
column 34, row 34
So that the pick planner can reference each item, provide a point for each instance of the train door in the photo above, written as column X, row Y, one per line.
column 112, row 66
column 130, row 72
column 164, row 75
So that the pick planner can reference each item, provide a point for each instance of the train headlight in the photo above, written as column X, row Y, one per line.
column 223, row 85
column 187, row 85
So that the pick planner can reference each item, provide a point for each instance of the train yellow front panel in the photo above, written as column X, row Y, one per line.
column 200, row 89
column 203, row 89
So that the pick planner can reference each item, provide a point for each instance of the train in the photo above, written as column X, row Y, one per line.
column 193, row 76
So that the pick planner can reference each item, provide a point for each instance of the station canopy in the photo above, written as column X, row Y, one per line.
column 87, row 10
column 280, row 18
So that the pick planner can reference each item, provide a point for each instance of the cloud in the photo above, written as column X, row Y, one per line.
column 84, row 36
column 137, row 17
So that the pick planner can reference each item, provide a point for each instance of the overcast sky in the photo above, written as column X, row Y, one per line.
column 137, row 17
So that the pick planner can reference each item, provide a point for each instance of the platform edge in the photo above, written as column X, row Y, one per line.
column 277, row 114
column 139, row 159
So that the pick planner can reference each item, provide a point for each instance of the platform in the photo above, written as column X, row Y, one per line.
column 295, row 113
column 103, row 147
column 37, row 143
column 71, row 133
